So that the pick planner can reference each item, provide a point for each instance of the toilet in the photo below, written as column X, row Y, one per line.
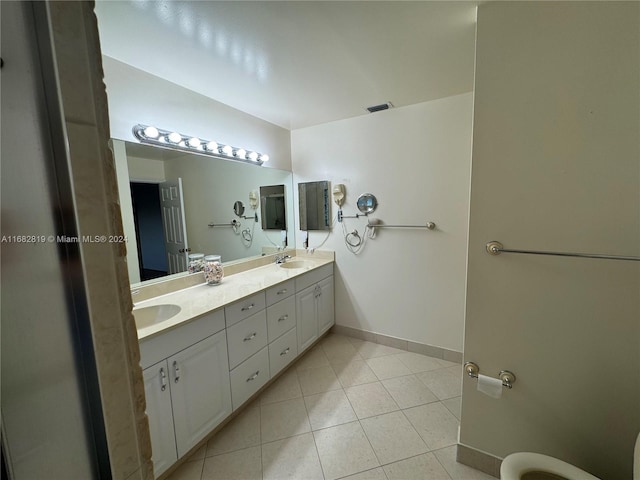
column 535, row 466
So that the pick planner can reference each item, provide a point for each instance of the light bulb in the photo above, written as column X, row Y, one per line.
column 174, row 137
column 264, row 157
column 241, row 153
column 212, row 146
column 194, row 142
column 151, row 132
column 227, row 150
column 253, row 156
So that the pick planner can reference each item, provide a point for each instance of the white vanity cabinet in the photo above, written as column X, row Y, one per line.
column 197, row 373
column 188, row 392
column 314, row 305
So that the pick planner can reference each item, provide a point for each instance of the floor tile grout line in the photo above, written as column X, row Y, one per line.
column 313, row 437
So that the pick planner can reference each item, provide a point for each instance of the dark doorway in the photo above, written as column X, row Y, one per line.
column 147, row 215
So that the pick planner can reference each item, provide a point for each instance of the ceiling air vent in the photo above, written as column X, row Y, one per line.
column 382, row 106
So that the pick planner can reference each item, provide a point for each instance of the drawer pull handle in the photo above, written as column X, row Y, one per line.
column 281, row 292
column 176, row 369
column 283, row 318
column 163, row 380
column 253, row 377
column 244, row 309
column 250, row 337
column 284, row 352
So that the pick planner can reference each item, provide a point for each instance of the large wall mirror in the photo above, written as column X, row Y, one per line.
column 184, row 203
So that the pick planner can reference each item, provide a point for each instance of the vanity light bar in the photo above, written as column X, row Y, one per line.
column 178, row 141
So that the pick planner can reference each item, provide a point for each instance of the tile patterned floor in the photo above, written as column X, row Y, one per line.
column 348, row 409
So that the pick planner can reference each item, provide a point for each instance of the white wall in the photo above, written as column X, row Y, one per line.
column 556, row 167
column 416, row 160
column 136, row 97
column 145, row 170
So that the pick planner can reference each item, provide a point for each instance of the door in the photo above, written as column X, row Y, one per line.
column 325, row 305
column 200, row 390
column 175, row 230
column 306, row 317
column 52, row 421
column 158, row 396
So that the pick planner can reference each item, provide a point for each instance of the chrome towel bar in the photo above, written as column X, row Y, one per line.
column 428, row 225
column 496, row 248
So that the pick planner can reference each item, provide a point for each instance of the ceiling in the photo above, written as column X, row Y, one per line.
column 297, row 64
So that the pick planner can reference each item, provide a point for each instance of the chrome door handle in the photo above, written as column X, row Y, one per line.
column 244, row 309
column 163, row 380
column 284, row 352
column 176, row 371
column 253, row 377
column 281, row 292
column 283, row 318
column 250, row 337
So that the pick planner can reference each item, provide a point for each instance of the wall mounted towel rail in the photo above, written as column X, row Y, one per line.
column 496, row 248
column 233, row 224
column 428, row 225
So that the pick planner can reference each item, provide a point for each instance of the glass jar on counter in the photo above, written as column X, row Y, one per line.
column 196, row 262
column 213, row 271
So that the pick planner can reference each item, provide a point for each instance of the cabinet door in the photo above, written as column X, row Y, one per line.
column 326, row 316
column 200, row 390
column 307, row 324
column 156, row 390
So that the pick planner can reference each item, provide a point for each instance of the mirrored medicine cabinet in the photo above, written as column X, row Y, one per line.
column 314, row 205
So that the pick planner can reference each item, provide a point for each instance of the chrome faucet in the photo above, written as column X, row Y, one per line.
column 282, row 258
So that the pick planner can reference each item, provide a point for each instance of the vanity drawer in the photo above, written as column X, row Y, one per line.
column 244, row 308
column 248, row 377
column 281, row 317
column 246, row 337
column 313, row 276
column 280, row 291
column 283, row 351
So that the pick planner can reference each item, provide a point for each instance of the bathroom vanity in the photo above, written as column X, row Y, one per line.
column 207, row 350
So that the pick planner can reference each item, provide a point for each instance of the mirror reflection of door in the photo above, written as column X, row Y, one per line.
column 158, row 212
column 175, row 232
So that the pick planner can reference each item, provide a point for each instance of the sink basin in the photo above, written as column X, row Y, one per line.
column 147, row 316
column 295, row 264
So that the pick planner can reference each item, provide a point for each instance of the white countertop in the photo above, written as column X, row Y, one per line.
column 201, row 299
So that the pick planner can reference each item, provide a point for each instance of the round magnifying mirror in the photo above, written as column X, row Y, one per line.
column 367, row 203
column 238, row 208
